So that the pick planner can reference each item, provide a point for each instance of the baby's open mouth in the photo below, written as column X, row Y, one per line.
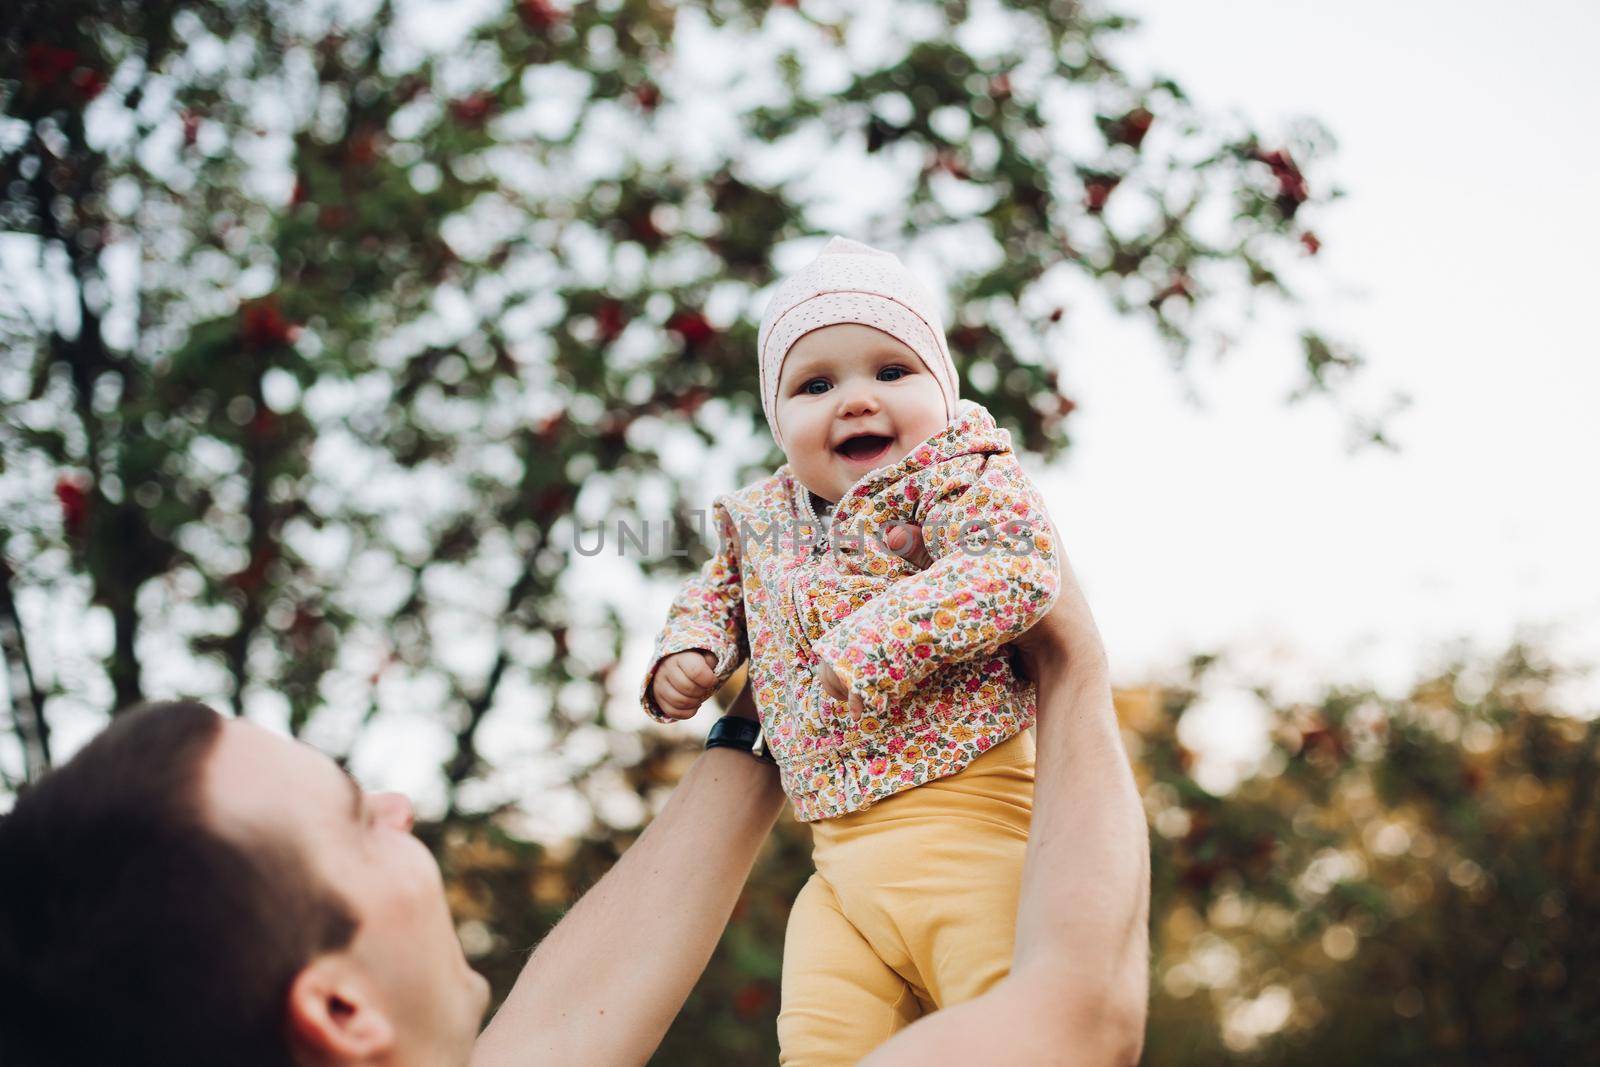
column 868, row 446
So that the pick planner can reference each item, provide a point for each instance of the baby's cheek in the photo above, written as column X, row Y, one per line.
column 895, row 455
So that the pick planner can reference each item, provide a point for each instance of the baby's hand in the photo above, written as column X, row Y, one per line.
column 683, row 682
column 833, row 685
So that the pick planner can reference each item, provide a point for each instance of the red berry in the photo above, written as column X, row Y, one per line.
column 691, row 326
column 647, row 95
column 611, row 320
column 472, row 110
column 549, row 428
column 72, row 492
column 45, row 65
column 1130, row 128
column 89, row 83
column 540, row 15
column 1097, row 190
column 263, row 325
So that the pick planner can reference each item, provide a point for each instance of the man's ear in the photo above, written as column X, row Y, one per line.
column 334, row 1014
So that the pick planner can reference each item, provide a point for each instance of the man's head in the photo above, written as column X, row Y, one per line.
column 195, row 890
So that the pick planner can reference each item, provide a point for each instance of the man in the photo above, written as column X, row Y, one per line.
column 194, row 890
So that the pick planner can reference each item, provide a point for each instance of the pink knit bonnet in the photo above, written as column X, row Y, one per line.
column 852, row 282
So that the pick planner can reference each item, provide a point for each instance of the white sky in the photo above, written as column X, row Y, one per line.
column 1471, row 231
column 1469, row 238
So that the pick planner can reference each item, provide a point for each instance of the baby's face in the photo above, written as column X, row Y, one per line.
column 852, row 399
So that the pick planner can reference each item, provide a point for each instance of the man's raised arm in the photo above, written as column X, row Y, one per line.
column 605, row 984
column 1078, row 987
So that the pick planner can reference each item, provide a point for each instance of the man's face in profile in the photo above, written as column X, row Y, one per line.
column 404, row 969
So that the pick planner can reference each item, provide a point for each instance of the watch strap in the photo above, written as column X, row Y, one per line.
column 736, row 731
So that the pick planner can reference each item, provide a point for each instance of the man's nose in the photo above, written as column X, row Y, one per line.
column 395, row 810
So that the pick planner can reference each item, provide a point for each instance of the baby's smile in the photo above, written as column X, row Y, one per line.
column 866, row 450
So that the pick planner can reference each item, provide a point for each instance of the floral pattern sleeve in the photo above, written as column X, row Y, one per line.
column 996, row 571
column 707, row 613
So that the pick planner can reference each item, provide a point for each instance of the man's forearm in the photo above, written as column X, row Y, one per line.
column 1077, row 990
column 1084, row 908
column 605, row 984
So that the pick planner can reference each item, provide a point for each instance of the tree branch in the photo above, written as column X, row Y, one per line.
column 27, row 700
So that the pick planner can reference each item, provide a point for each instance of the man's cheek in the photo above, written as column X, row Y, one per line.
column 407, row 880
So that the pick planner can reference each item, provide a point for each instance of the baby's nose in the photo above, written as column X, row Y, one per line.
column 858, row 400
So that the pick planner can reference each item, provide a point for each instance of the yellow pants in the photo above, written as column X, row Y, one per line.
column 912, row 908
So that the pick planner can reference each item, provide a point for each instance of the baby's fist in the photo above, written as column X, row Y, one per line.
column 683, row 682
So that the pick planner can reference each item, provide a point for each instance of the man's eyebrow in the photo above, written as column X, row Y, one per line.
column 356, row 792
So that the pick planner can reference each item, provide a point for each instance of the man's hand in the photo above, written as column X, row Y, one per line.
column 834, row 686
column 683, row 682
column 1067, row 627
column 905, row 540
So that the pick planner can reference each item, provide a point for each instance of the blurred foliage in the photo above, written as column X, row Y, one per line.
column 1400, row 882
column 327, row 325
column 1397, row 881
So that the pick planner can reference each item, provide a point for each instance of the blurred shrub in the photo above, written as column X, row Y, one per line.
column 1400, row 881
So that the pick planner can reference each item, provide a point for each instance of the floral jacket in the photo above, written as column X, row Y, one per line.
column 921, row 648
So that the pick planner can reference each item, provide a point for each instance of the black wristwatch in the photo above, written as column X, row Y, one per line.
column 736, row 731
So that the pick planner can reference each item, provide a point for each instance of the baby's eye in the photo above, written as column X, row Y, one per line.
column 808, row 390
column 895, row 374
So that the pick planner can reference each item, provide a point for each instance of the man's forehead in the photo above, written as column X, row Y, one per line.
column 253, row 775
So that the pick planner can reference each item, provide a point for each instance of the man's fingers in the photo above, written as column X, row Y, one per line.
column 832, row 684
column 905, row 540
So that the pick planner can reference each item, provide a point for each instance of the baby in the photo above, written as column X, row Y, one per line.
column 885, row 695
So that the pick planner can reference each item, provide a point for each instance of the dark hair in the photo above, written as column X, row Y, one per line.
column 131, row 932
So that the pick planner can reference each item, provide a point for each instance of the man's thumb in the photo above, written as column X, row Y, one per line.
column 905, row 541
